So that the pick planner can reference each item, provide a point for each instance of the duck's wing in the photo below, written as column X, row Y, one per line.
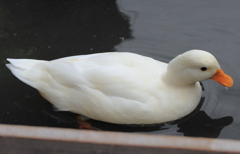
column 113, row 74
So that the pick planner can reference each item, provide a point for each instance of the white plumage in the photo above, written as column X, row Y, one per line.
column 118, row 87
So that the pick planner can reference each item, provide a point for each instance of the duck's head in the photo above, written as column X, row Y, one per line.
column 196, row 65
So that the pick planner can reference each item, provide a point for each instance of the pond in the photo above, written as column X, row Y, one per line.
column 159, row 29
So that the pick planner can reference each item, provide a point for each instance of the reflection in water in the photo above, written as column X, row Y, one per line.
column 202, row 125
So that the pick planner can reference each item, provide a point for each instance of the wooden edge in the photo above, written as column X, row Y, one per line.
column 119, row 139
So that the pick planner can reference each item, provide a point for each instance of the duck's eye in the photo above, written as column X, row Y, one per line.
column 203, row 68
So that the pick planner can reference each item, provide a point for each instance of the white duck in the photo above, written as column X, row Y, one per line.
column 122, row 88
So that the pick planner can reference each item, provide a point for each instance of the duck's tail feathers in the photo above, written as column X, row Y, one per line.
column 24, row 64
column 19, row 68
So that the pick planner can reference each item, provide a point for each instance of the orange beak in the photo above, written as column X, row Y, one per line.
column 223, row 78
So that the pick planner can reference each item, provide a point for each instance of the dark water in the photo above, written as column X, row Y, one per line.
column 50, row 29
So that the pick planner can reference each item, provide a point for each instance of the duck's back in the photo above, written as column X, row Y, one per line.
column 111, row 59
column 106, row 68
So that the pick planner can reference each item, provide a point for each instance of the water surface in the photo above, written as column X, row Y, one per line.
column 159, row 29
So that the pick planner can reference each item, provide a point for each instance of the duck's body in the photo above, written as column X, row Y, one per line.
column 123, row 88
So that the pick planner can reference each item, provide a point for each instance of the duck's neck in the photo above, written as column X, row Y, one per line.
column 171, row 79
column 177, row 75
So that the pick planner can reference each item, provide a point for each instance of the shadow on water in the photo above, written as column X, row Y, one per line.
column 202, row 125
